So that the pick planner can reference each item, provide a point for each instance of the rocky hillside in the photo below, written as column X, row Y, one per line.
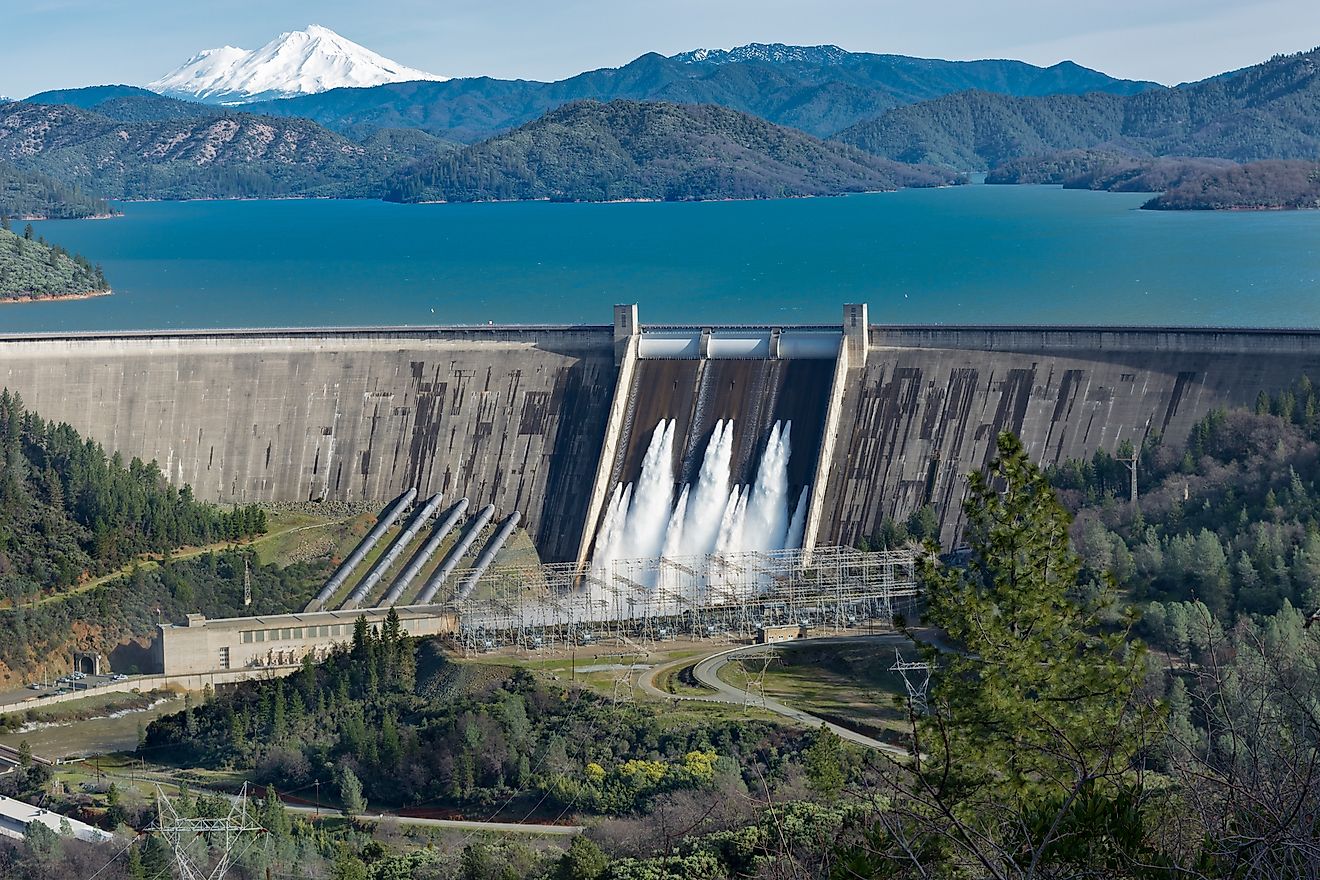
column 588, row 151
column 212, row 156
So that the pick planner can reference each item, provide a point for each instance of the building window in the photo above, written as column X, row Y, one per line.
column 286, row 632
column 297, row 632
column 224, row 658
column 246, row 636
column 260, row 634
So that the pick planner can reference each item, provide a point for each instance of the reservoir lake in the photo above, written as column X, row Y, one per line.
column 974, row 254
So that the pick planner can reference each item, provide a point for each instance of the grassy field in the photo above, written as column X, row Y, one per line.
column 848, row 683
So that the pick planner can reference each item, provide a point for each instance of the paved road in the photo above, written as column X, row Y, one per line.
column 460, row 824
column 707, row 670
column 169, row 779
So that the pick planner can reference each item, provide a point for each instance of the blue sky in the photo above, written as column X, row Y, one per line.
column 63, row 43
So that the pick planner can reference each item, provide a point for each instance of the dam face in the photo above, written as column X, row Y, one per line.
column 506, row 416
column 925, row 409
column 549, row 421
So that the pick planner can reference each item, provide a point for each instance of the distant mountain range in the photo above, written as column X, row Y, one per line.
column 295, row 63
column 819, row 90
column 775, row 53
column 709, row 123
column 629, row 150
column 1269, row 111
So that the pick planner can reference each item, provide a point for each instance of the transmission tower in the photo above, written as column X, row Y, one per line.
column 916, row 676
column 757, row 682
column 231, row 835
column 625, row 676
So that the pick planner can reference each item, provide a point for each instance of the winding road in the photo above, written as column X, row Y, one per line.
column 706, row 671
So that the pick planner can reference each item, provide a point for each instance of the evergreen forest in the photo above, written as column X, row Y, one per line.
column 32, row 268
column 72, row 514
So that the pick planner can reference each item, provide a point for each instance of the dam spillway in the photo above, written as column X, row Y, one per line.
column 548, row 420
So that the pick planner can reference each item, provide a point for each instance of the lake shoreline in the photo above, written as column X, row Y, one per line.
column 6, row 299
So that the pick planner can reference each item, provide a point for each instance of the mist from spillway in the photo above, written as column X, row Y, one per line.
column 714, row 516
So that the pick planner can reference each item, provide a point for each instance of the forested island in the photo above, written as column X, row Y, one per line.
column 33, row 269
column 1255, row 186
column 1196, row 183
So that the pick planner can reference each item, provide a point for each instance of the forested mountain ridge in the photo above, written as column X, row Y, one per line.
column 213, row 156
column 125, row 103
column 1104, row 170
column 1269, row 111
column 588, row 151
column 31, row 268
column 817, row 93
column 29, row 195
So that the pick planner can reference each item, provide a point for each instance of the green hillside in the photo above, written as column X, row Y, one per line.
column 1269, row 111
column 1258, row 186
column 28, row 195
column 32, row 268
column 590, row 151
column 70, row 513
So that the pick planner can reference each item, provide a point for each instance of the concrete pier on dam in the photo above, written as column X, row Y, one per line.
column 549, row 421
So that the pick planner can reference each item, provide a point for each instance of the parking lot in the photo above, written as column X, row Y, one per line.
column 74, row 682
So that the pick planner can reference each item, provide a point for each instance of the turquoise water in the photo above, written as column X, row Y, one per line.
column 975, row 254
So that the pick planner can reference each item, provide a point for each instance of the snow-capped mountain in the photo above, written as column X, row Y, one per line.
column 778, row 53
column 295, row 63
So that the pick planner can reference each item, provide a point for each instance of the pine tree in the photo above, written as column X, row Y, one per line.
column 1035, row 717
column 824, row 763
column 350, row 792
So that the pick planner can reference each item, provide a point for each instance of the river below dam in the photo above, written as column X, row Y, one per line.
column 972, row 254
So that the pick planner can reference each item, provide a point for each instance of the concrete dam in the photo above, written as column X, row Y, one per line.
column 840, row 426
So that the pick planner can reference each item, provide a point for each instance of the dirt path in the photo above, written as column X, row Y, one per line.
column 184, row 553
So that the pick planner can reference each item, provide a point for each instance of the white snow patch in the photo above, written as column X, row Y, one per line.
column 295, row 63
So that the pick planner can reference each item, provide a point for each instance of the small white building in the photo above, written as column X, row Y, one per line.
column 16, row 815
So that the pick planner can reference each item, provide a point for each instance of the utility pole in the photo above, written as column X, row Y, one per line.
column 247, row 582
column 1132, row 461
